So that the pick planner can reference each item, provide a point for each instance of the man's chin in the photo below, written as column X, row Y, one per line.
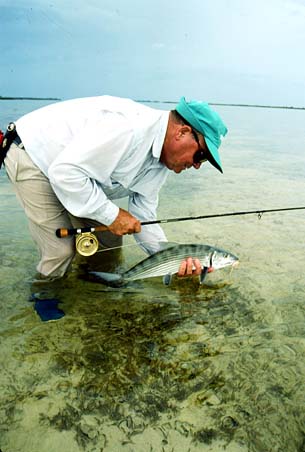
column 178, row 169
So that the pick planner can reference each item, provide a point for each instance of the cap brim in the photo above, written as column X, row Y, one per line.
column 214, row 157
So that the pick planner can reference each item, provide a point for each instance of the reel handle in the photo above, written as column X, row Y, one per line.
column 64, row 232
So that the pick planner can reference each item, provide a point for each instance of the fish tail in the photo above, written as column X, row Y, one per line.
column 111, row 279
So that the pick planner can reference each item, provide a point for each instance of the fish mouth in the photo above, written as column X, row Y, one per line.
column 235, row 264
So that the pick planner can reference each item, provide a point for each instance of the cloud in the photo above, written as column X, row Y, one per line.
column 223, row 49
column 158, row 45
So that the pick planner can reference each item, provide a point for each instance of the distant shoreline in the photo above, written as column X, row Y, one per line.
column 260, row 106
column 285, row 107
column 28, row 98
column 228, row 105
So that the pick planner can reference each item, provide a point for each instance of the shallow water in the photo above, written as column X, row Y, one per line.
column 180, row 368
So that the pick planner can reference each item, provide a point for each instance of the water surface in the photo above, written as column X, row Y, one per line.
column 180, row 368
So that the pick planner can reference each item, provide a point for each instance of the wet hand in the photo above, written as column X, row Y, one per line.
column 125, row 223
column 191, row 266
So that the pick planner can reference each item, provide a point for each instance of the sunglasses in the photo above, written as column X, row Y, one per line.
column 201, row 155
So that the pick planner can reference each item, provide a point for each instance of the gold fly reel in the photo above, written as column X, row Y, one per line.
column 86, row 244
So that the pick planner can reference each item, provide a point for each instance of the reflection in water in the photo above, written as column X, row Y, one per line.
column 155, row 368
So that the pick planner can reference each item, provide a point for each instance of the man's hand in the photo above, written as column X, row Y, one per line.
column 187, row 267
column 125, row 223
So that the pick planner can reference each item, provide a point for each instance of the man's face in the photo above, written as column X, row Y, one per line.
column 178, row 153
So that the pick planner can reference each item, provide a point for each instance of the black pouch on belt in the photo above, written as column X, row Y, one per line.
column 6, row 140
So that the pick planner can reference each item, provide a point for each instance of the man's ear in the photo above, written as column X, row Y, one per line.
column 183, row 130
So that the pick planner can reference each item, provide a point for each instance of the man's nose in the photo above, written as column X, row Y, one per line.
column 196, row 165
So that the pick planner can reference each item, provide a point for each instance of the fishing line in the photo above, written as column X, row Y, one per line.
column 125, row 246
column 87, row 242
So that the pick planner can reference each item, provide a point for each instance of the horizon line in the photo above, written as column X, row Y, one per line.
column 222, row 104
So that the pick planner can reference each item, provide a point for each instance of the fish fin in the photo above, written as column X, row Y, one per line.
column 110, row 279
column 167, row 279
column 203, row 274
column 169, row 244
column 165, row 245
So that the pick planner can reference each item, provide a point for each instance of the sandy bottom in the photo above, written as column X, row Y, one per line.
column 218, row 367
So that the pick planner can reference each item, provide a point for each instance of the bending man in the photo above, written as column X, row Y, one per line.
column 71, row 159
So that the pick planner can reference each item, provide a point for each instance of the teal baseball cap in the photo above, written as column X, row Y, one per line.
column 206, row 121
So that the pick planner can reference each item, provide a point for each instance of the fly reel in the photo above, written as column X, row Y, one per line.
column 86, row 244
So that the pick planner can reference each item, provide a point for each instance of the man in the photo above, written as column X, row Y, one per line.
column 71, row 159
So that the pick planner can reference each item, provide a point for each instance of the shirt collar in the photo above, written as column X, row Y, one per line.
column 159, row 140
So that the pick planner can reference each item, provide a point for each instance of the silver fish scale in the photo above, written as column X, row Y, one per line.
column 168, row 261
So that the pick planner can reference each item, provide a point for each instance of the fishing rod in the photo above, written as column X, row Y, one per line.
column 63, row 232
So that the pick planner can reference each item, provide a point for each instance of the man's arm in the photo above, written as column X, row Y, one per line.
column 152, row 237
column 78, row 172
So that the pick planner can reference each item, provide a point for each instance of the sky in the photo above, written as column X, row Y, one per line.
column 226, row 51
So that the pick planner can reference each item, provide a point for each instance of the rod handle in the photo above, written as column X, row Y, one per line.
column 64, row 232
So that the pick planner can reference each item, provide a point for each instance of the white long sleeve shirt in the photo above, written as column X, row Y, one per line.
column 97, row 149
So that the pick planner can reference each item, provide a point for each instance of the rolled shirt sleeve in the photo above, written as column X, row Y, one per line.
column 151, row 236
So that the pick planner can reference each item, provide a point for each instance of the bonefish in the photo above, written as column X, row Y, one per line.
column 167, row 262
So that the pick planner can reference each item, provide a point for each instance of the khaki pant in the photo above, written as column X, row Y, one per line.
column 45, row 214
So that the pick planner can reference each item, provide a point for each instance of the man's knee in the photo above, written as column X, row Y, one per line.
column 56, row 262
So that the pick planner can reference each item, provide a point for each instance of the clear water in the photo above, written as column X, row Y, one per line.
column 179, row 368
